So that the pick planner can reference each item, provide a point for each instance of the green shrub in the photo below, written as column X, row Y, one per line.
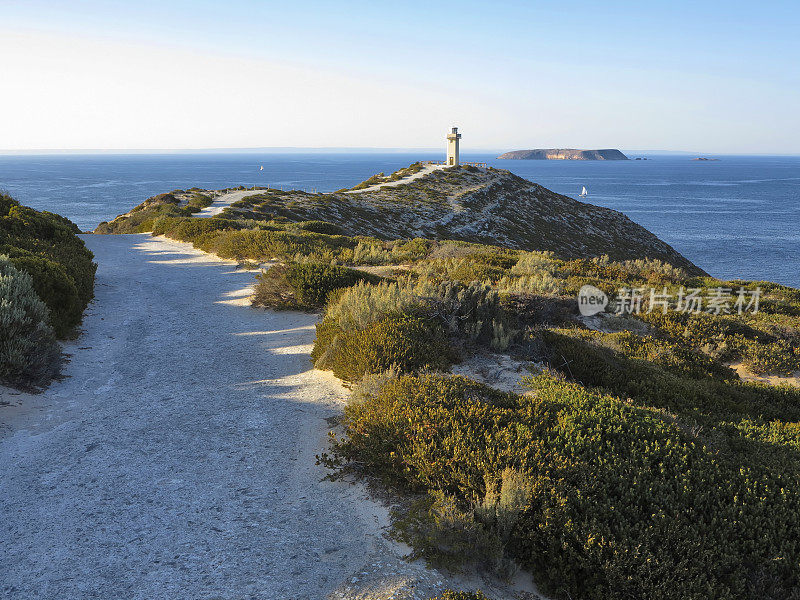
column 652, row 385
column 46, row 246
column 403, row 342
column 447, row 535
column 598, row 498
column 197, row 202
column 54, row 287
column 465, row 270
column 28, row 350
column 473, row 312
column 536, row 263
column 304, row 286
column 363, row 304
column 319, row 227
column 777, row 358
column 540, row 284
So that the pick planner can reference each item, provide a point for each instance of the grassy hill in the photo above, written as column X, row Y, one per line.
column 485, row 206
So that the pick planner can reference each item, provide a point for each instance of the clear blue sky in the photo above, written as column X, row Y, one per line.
column 714, row 77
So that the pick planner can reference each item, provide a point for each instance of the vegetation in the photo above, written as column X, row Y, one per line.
column 599, row 498
column 480, row 206
column 397, row 175
column 638, row 465
column 403, row 342
column 45, row 246
column 28, row 350
column 303, row 286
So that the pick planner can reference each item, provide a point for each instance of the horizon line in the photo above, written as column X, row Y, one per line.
column 323, row 149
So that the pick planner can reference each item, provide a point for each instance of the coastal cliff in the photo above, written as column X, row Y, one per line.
column 564, row 154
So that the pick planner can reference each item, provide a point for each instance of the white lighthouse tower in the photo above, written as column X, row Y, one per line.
column 452, row 148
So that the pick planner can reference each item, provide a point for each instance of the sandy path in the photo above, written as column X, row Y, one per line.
column 225, row 200
column 418, row 175
column 177, row 458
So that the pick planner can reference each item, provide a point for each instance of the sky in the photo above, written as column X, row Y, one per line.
column 711, row 77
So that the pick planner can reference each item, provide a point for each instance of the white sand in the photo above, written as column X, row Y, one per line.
column 418, row 175
column 176, row 459
column 747, row 375
column 224, row 200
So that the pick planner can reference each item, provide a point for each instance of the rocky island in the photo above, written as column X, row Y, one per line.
column 564, row 154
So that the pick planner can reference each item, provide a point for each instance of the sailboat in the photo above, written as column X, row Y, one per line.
column 584, row 193
column 261, row 168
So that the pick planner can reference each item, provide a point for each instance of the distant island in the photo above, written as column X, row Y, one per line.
column 564, row 154
column 703, row 158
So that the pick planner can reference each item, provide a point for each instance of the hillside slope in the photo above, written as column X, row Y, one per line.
column 487, row 206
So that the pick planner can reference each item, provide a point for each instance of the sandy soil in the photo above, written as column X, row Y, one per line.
column 176, row 458
column 747, row 375
column 224, row 200
column 418, row 175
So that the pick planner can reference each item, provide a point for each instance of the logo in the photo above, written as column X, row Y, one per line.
column 591, row 300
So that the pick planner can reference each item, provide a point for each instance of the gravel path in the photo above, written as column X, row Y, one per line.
column 223, row 201
column 427, row 170
column 176, row 460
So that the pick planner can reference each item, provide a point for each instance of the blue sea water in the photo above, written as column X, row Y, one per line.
column 738, row 217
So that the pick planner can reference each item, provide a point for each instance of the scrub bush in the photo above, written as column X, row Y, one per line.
column 304, row 286
column 403, row 342
column 778, row 358
column 473, row 312
column 55, row 288
column 465, row 270
column 706, row 398
column 363, row 304
column 597, row 498
column 28, row 350
column 45, row 245
column 319, row 227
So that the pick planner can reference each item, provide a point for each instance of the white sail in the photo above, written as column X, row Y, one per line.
column 584, row 192
column 261, row 168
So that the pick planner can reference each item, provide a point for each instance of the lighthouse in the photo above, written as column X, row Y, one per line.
column 452, row 147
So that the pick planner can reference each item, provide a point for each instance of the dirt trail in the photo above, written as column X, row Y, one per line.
column 176, row 458
column 223, row 201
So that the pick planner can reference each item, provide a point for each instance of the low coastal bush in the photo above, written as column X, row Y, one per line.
column 304, row 286
column 55, row 288
column 319, row 227
column 197, row 202
column 473, row 313
column 465, row 270
column 678, row 388
column 237, row 240
column 28, row 350
column 443, row 316
column 46, row 246
column 603, row 500
column 777, row 358
column 402, row 342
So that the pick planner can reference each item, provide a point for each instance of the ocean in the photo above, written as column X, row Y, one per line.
column 738, row 217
